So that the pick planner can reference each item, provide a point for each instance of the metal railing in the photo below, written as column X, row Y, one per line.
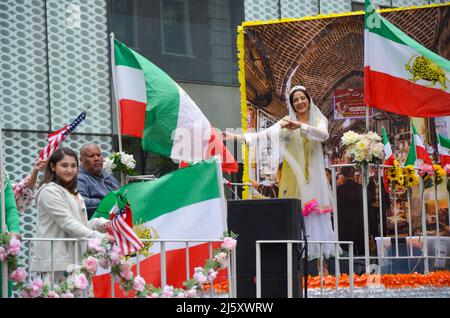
column 289, row 245
column 424, row 253
column 163, row 251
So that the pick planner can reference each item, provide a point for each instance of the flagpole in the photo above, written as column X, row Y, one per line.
column 116, row 101
column 231, row 269
column 367, row 118
column 4, row 227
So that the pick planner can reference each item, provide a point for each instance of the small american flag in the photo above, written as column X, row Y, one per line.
column 57, row 137
column 120, row 228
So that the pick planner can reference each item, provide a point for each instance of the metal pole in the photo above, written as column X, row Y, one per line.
column 211, row 289
column 380, row 201
column 436, row 209
column 321, row 269
column 395, row 218
column 335, row 207
column 188, row 275
column 424, row 228
column 366, row 218
column 337, row 273
column 335, row 220
column 116, row 99
column 234, row 278
column 52, row 266
column 409, row 220
column 258, row 270
column 229, row 272
column 4, row 226
column 367, row 117
column 289, row 269
column 350, row 268
column 29, row 261
column 138, row 264
column 163, row 264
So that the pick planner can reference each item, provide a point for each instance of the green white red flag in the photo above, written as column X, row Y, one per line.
column 388, row 158
column 185, row 204
column 155, row 108
column 388, row 155
column 400, row 75
column 417, row 150
column 443, row 149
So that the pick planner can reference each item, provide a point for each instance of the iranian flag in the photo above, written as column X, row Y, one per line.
column 400, row 75
column 388, row 158
column 185, row 204
column 388, row 155
column 155, row 108
column 417, row 150
column 443, row 149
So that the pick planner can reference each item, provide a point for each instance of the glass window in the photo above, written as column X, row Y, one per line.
column 191, row 40
column 176, row 36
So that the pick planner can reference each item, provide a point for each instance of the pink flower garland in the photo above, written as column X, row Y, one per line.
column 101, row 253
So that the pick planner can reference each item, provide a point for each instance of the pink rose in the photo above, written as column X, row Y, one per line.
column 222, row 258
column 19, row 275
column 94, row 244
column 35, row 287
column 81, row 281
column 125, row 271
column 67, row 294
column 212, row 274
column 229, row 243
column 14, row 246
column 191, row 293
column 3, row 254
column 91, row 264
column 52, row 294
column 199, row 276
column 139, row 284
column 115, row 254
column 167, row 292
column 25, row 293
column 104, row 262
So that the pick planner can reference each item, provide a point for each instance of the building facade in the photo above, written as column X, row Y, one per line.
column 54, row 63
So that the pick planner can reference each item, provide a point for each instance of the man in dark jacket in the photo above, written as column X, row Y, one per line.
column 350, row 212
column 94, row 183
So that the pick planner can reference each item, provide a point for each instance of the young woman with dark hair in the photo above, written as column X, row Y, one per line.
column 62, row 214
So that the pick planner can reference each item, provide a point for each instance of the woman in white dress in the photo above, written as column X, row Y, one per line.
column 300, row 136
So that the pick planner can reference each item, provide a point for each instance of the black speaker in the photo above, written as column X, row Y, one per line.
column 268, row 219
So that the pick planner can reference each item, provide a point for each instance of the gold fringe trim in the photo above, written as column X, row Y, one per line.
column 337, row 15
column 244, row 110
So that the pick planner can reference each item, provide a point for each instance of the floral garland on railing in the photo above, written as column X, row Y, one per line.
column 101, row 253
column 414, row 280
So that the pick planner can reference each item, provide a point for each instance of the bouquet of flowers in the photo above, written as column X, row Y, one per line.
column 426, row 172
column 447, row 171
column 410, row 177
column 120, row 162
column 363, row 149
column 439, row 174
column 395, row 175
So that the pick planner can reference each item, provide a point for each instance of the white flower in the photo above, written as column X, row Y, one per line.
column 109, row 165
column 127, row 160
column 350, row 137
column 373, row 136
column 360, row 155
column 377, row 150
